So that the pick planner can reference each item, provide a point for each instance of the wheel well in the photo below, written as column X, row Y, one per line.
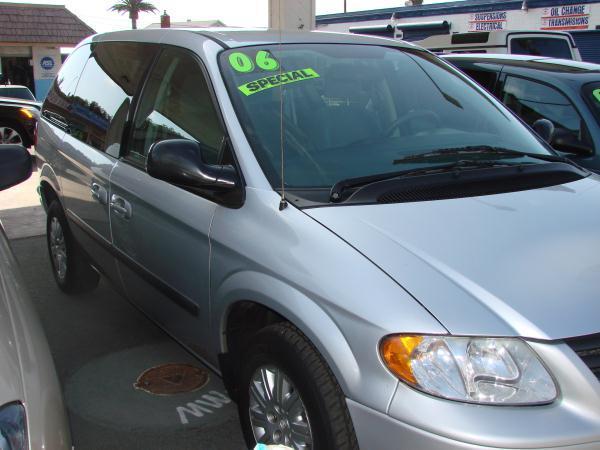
column 245, row 318
column 48, row 194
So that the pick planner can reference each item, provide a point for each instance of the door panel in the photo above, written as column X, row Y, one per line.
column 161, row 231
column 163, row 250
column 88, row 213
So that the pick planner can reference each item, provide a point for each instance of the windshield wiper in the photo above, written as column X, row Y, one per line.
column 478, row 150
column 335, row 194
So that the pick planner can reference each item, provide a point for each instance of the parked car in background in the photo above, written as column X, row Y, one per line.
column 428, row 280
column 567, row 93
column 555, row 44
column 16, row 91
column 17, row 121
column 32, row 413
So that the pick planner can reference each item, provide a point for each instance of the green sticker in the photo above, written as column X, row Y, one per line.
column 241, row 62
column 278, row 80
column 265, row 61
column 596, row 93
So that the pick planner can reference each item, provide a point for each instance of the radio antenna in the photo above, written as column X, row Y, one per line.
column 283, row 203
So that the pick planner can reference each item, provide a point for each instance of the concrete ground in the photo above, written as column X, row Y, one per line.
column 101, row 344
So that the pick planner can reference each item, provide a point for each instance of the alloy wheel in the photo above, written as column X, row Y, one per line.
column 9, row 135
column 277, row 413
column 58, row 248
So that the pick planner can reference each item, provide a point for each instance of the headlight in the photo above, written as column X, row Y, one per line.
column 503, row 371
column 13, row 434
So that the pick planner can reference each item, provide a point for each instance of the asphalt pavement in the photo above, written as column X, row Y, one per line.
column 101, row 344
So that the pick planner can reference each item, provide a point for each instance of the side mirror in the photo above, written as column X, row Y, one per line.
column 545, row 129
column 179, row 162
column 15, row 165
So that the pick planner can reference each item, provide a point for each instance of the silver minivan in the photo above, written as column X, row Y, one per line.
column 370, row 249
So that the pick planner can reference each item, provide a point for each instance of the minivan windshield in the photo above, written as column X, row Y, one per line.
column 355, row 110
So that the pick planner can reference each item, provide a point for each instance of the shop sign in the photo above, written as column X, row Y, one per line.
column 566, row 17
column 487, row 21
column 47, row 63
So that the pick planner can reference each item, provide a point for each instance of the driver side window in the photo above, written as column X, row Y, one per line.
column 532, row 101
column 176, row 104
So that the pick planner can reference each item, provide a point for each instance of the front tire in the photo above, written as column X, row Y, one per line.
column 70, row 267
column 289, row 396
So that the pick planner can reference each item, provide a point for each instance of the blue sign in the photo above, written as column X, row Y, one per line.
column 47, row 63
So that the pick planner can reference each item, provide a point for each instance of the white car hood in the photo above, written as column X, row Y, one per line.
column 519, row 264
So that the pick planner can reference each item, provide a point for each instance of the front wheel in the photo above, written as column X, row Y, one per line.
column 289, row 396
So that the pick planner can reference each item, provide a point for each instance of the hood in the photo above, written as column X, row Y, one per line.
column 20, row 102
column 518, row 264
column 11, row 384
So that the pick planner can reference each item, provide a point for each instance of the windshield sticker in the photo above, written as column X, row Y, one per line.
column 278, row 80
column 266, row 61
column 243, row 63
column 596, row 93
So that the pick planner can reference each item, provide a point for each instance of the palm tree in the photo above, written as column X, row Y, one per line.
column 134, row 8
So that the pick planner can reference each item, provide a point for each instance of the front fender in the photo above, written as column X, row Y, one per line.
column 298, row 309
column 339, row 299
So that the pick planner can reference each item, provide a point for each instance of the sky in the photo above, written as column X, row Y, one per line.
column 247, row 13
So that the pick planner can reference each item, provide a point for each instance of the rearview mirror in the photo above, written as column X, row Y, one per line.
column 544, row 128
column 179, row 162
column 15, row 165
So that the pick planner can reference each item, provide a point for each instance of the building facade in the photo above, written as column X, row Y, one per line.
column 31, row 37
column 580, row 17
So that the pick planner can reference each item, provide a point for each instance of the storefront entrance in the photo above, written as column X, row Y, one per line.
column 16, row 70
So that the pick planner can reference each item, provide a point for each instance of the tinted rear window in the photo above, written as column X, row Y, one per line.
column 60, row 96
column 540, row 46
column 101, row 103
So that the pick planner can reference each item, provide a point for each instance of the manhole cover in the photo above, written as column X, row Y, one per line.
column 170, row 379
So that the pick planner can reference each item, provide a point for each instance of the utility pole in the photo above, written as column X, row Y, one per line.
column 292, row 15
column 345, row 9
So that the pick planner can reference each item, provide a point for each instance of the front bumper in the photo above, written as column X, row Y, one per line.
column 377, row 431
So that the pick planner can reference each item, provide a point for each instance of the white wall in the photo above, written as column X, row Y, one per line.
column 515, row 20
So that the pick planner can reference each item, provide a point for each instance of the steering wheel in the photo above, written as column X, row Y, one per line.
column 401, row 121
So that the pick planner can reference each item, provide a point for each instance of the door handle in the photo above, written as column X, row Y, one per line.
column 120, row 206
column 98, row 192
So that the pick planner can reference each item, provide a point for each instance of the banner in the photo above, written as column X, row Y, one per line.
column 488, row 21
column 567, row 17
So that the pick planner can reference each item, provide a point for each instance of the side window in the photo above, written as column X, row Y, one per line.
column 531, row 101
column 110, row 79
column 485, row 78
column 60, row 96
column 176, row 104
column 539, row 46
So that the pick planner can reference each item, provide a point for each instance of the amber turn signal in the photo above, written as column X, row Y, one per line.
column 25, row 112
column 396, row 352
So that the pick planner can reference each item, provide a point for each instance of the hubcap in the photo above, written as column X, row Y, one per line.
column 277, row 413
column 58, row 248
column 10, row 136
